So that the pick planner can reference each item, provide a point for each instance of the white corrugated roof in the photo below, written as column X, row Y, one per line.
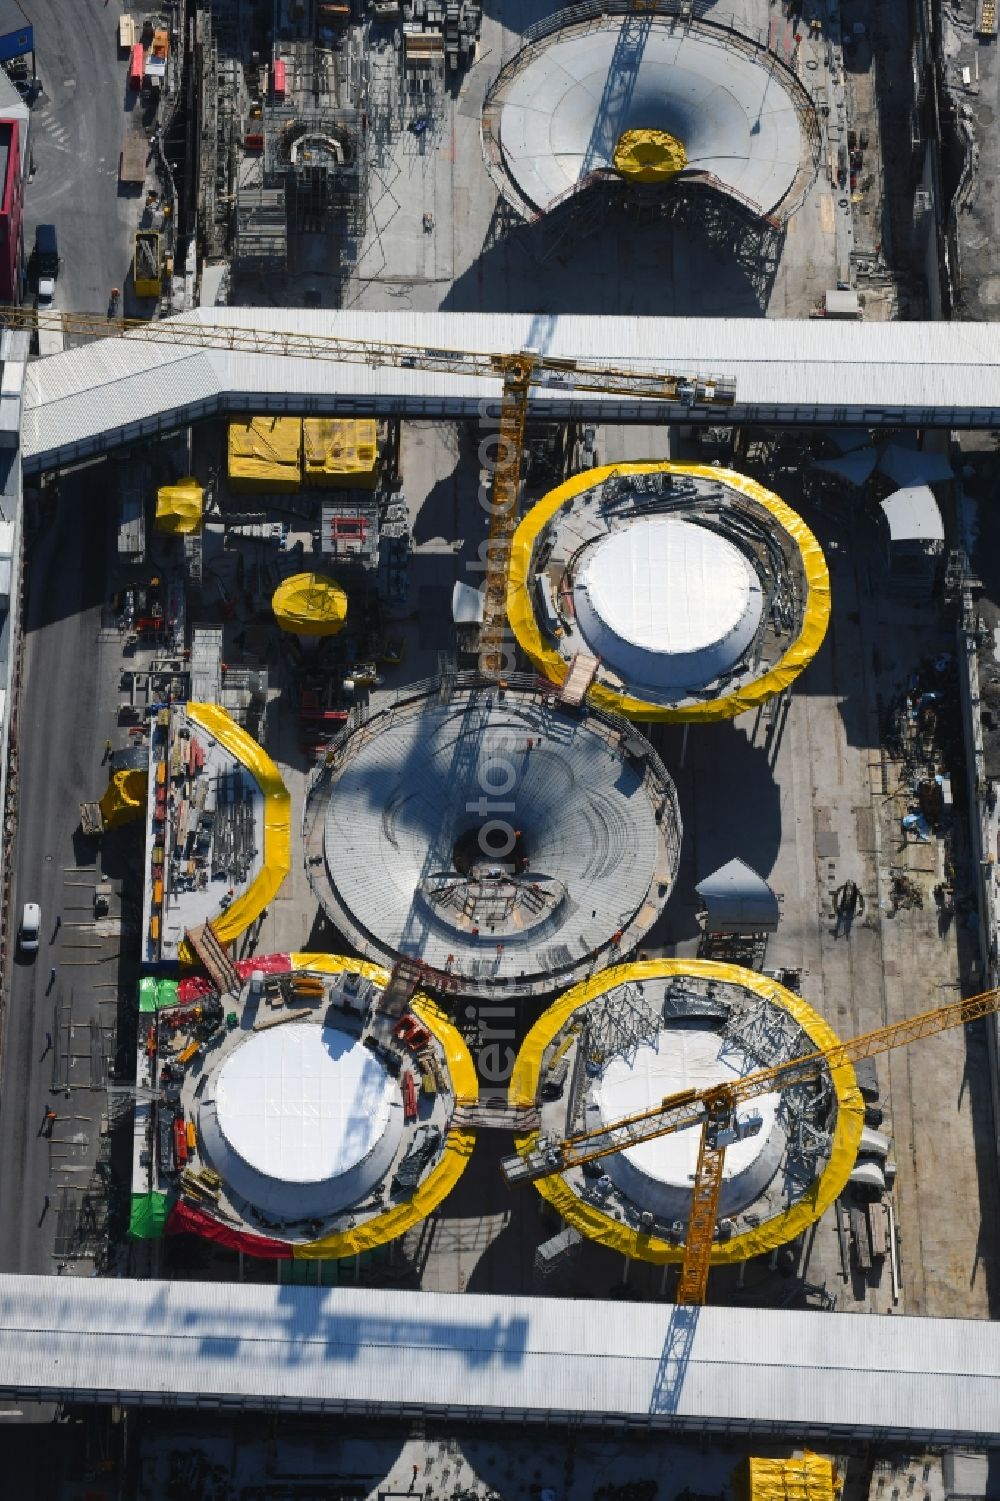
column 340, row 1348
column 785, row 371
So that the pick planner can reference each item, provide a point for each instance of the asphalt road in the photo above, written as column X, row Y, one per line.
column 66, row 717
column 77, row 127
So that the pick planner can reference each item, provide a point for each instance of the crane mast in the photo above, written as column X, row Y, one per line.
column 504, row 506
column 714, row 1111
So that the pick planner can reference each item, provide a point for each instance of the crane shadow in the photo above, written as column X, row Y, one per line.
column 668, row 1385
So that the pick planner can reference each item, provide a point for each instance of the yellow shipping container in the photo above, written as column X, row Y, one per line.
column 340, row 452
column 809, row 1477
column 265, row 453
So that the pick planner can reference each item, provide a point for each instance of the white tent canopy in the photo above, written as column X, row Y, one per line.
column 737, row 900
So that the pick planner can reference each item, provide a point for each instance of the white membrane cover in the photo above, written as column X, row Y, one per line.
column 666, row 603
column 560, row 119
column 302, row 1120
column 658, row 1174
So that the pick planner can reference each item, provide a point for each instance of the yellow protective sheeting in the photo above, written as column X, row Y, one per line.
column 811, row 1477
column 340, row 451
column 310, row 604
column 265, row 453
column 124, row 797
column 458, row 1144
column 816, row 617
column 589, row 1220
column 649, row 155
column 179, row 507
column 277, row 861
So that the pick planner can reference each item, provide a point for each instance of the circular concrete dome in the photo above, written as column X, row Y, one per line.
column 301, row 1120
column 667, row 603
column 493, row 836
column 733, row 108
column 652, row 1029
column 659, row 1173
column 689, row 592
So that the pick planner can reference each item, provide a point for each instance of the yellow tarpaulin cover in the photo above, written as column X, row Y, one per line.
column 310, row 604
column 811, row 1477
column 649, row 155
column 598, row 1226
column 277, row 861
column 179, row 507
column 265, row 453
column 340, row 451
column 816, row 616
column 124, row 797
column 458, row 1144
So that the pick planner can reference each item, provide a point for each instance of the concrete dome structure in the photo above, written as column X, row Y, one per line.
column 302, row 1121
column 492, row 835
column 659, row 1173
column 691, row 592
column 299, row 1119
column 618, row 1043
column 739, row 120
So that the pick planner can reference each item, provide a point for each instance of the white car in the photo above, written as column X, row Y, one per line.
column 29, row 934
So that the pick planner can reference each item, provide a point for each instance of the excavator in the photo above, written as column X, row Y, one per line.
column 529, row 369
column 714, row 1112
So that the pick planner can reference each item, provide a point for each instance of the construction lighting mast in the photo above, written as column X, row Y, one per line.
column 519, row 373
column 714, row 1111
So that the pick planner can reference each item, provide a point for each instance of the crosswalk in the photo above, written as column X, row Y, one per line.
column 52, row 132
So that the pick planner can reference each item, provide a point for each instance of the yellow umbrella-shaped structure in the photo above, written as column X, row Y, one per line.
column 649, row 155
column 310, row 604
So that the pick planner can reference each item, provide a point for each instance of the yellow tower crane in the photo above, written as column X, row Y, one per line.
column 713, row 1110
column 520, row 373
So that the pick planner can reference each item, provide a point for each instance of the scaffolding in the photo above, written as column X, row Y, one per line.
column 619, row 1023
column 218, row 85
column 309, row 183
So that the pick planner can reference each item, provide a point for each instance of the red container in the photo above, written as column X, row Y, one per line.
column 279, row 79
column 135, row 65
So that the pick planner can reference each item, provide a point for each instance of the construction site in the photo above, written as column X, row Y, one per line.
column 524, row 967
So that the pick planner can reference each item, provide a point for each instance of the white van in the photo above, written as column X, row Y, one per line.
column 29, row 934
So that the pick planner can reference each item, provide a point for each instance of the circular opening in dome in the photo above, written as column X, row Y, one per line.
column 488, row 845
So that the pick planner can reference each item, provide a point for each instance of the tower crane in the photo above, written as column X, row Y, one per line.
column 519, row 372
column 713, row 1110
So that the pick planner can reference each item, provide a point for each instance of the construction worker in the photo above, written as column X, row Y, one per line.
column 52, row 975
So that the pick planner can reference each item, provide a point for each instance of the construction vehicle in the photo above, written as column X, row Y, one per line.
column 714, row 1111
column 521, row 373
column 91, row 820
column 146, row 263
